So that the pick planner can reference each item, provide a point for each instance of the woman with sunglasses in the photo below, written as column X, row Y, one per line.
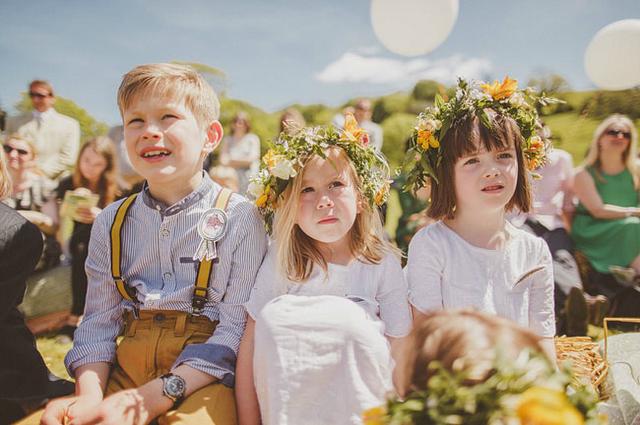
column 606, row 227
column 30, row 193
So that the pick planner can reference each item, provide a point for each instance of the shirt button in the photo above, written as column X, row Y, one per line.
column 166, row 276
column 164, row 232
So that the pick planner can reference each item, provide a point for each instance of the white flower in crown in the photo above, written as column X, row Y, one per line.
column 255, row 188
column 517, row 99
column 283, row 169
column 429, row 124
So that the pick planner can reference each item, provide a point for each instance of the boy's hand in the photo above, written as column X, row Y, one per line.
column 62, row 410
column 136, row 406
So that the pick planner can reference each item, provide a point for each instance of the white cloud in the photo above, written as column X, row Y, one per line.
column 356, row 68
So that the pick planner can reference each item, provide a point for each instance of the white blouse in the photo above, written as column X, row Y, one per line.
column 445, row 271
column 380, row 289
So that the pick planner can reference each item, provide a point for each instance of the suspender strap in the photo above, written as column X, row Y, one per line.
column 127, row 292
column 205, row 267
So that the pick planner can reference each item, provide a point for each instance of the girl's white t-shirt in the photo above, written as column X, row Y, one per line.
column 444, row 271
column 320, row 354
column 380, row 289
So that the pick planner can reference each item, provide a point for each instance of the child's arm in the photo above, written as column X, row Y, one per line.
column 90, row 385
column 217, row 356
column 246, row 398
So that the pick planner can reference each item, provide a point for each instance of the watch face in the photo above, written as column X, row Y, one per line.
column 174, row 386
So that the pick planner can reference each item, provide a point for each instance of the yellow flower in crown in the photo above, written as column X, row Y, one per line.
column 269, row 159
column 499, row 91
column 375, row 416
column 426, row 140
column 352, row 132
column 546, row 406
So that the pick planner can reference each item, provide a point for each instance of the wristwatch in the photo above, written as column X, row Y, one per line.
column 173, row 387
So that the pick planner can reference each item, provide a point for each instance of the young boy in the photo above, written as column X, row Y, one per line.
column 148, row 270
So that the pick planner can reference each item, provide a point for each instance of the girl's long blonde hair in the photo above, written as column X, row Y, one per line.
column 630, row 154
column 5, row 179
column 296, row 251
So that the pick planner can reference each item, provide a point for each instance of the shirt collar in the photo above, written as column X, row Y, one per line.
column 43, row 115
column 205, row 187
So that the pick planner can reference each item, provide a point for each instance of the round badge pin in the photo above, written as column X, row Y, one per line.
column 211, row 228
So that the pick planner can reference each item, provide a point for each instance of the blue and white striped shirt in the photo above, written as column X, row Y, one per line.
column 157, row 248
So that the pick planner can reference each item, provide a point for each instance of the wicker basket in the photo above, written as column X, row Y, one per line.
column 588, row 367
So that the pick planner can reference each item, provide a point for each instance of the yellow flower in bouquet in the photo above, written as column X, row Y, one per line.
column 546, row 406
column 499, row 91
column 375, row 416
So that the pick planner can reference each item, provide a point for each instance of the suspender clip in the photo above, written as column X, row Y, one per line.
column 197, row 305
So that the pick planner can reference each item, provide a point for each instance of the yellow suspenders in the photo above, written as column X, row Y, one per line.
column 205, row 267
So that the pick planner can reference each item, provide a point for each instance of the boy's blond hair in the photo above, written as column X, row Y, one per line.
column 166, row 80
column 297, row 253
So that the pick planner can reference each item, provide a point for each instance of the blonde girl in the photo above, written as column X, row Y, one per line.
column 475, row 150
column 330, row 288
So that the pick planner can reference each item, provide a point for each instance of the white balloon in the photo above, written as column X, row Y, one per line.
column 413, row 27
column 612, row 59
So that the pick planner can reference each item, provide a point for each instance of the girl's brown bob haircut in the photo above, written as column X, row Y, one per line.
column 465, row 138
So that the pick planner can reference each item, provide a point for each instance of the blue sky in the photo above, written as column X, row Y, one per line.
column 279, row 52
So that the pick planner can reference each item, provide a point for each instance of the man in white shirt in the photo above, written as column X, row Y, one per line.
column 56, row 137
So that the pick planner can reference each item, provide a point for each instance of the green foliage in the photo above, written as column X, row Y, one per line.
column 397, row 130
column 604, row 103
column 426, row 90
column 386, row 106
column 316, row 114
column 89, row 126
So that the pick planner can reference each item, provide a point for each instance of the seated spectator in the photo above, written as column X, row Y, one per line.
column 552, row 210
column 241, row 150
column 55, row 136
column 93, row 186
column 225, row 176
column 362, row 113
column 25, row 381
column 468, row 367
column 291, row 120
column 30, row 193
column 606, row 227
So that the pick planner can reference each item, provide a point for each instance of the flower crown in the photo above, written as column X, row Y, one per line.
column 287, row 156
column 471, row 99
column 527, row 391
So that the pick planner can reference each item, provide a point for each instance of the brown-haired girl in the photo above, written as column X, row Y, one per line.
column 330, row 288
column 95, row 173
column 475, row 151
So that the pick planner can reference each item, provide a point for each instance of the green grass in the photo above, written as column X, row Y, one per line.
column 53, row 352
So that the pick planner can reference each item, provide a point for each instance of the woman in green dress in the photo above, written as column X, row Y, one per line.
column 606, row 227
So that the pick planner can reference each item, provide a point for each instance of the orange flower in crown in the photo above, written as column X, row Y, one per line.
column 499, row 91
column 352, row 132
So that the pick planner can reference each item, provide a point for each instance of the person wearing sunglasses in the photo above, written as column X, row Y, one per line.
column 25, row 381
column 606, row 227
column 31, row 193
column 55, row 136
